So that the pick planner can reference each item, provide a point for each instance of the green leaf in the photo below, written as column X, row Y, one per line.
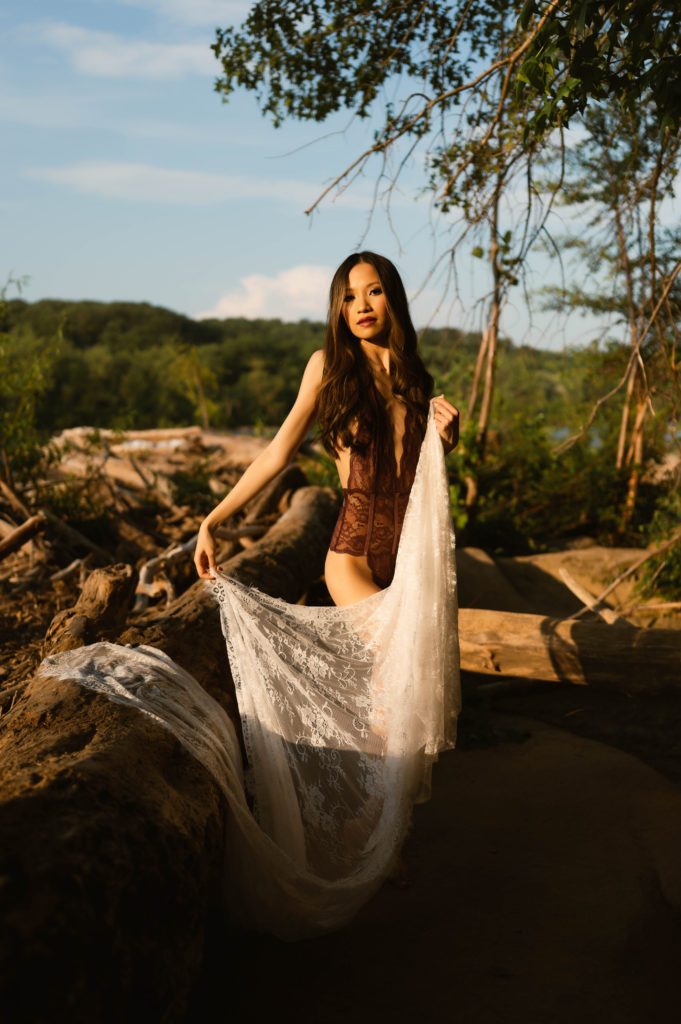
column 526, row 13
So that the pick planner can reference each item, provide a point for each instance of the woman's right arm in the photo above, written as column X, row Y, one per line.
column 265, row 467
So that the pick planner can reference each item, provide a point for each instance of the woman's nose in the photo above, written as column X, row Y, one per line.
column 364, row 304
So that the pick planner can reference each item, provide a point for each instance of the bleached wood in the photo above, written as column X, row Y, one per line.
column 620, row 656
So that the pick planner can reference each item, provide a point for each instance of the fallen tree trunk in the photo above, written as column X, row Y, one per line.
column 22, row 534
column 75, row 538
column 99, row 613
column 271, row 497
column 284, row 563
column 274, row 498
column 619, row 656
column 112, row 834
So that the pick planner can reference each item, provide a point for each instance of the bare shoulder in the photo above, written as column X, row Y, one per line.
column 314, row 371
column 315, row 365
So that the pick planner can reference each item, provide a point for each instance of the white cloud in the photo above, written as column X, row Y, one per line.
column 64, row 109
column 196, row 12
column 170, row 131
column 108, row 55
column 47, row 111
column 146, row 183
column 291, row 294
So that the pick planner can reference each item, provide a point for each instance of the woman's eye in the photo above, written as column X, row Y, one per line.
column 348, row 298
column 376, row 291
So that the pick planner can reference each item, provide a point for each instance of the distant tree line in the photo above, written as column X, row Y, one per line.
column 133, row 365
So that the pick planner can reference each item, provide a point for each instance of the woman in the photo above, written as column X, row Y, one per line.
column 344, row 708
column 369, row 390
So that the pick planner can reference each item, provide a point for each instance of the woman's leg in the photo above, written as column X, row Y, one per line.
column 348, row 578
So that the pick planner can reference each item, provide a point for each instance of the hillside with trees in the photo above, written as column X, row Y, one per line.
column 136, row 366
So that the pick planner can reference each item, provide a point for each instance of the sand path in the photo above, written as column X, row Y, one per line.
column 548, row 890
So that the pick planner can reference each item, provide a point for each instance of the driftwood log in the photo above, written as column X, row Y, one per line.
column 619, row 656
column 99, row 613
column 261, row 514
column 275, row 493
column 284, row 563
column 22, row 534
column 112, row 835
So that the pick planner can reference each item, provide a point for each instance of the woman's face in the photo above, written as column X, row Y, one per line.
column 364, row 306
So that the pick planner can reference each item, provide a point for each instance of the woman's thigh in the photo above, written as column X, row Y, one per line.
column 348, row 578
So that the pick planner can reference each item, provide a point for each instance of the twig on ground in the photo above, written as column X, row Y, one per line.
column 631, row 570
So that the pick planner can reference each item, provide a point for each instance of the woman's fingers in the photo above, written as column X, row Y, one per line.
column 444, row 408
column 204, row 558
column 444, row 411
column 447, row 420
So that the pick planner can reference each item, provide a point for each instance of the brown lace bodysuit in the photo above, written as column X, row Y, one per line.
column 375, row 500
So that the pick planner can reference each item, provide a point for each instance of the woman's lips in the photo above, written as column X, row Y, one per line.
column 367, row 320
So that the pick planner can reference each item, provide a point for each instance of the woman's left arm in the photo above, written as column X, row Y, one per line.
column 447, row 422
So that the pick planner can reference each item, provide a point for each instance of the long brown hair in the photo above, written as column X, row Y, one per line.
column 349, row 407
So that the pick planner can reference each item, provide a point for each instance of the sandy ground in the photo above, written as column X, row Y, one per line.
column 548, row 891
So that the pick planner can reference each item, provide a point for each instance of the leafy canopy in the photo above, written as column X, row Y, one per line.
column 309, row 59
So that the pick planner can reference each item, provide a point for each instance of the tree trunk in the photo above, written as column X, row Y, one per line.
column 492, row 328
column 635, row 460
column 284, row 563
column 624, row 422
column 477, row 374
column 99, row 613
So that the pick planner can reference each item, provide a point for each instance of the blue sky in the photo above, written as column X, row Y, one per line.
column 125, row 177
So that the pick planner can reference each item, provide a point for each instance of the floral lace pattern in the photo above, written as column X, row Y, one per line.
column 343, row 710
column 375, row 501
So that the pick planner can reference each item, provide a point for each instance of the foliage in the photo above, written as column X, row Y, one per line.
column 529, row 499
column 26, row 364
column 664, row 571
column 147, row 375
column 618, row 178
column 308, row 60
column 199, row 383
column 192, row 486
column 452, row 74
column 587, row 49
column 321, row 471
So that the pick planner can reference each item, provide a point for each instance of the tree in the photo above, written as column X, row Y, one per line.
column 626, row 50
column 308, row 60
column 484, row 83
column 26, row 363
column 195, row 378
column 617, row 177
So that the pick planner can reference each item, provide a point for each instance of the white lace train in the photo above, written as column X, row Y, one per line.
column 343, row 712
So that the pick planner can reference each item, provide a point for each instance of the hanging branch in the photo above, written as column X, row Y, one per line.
column 391, row 135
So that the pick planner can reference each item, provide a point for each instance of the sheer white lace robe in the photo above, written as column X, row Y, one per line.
column 343, row 711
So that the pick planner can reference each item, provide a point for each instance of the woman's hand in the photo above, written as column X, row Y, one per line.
column 447, row 422
column 204, row 554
